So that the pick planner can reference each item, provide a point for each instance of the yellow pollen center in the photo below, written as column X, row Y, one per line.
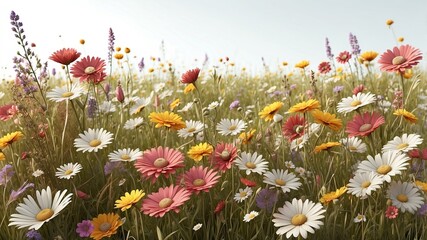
column 165, row 202
column 298, row 219
column 232, row 127
column 280, row 182
column 402, row 146
column 366, row 184
column 67, row 94
column 105, row 226
column 44, row 214
column 225, row 155
column 355, row 103
column 191, row 130
column 365, row 127
column 243, row 194
column 125, row 157
column 402, row 198
column 250, row 165
column 344, row 57
column 161, row 162
column 383, row 169
column 89, row 70
column 352, row 148
column 398, row 60
column 95, row 143
column 199, row 182
column 68, row 172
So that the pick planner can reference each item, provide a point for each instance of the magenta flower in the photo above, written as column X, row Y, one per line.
column 343, row 57
column 84, row 228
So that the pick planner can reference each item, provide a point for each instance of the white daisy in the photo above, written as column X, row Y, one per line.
column 37, row 173
column 359, row 218
column 158, row 87
column 385, row 165
column 364, row 183
column 213, row 105
column 280, row 178
column 405, row 143
column 252, row 163
column 107, row 107
column 197, row 226
column 230, row 127
column 191, row 128
column 33, row 214
column 186, row 107
column 354, row 102
column 299, row 142
column 125, row 155
column 140, row 104
column 297, row 218
column 243, row 194
column 354, row 144
column 133, row 123
column 384, row 105
column 68, row 170
column 59, row 94
column 289, row 164
column 166, row 93
column 249, row 216
column 405, row 196
column 92, row 140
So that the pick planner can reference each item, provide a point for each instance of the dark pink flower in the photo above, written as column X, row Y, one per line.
column 89, row 69
column 165, row 200
column 401, row 58
column 391, row 212
column 364, row 124
column 190, row 76
column 8, row 111
column 294, row 127
column 343, row 57
column 65, row 56
column 198, row 179
column 84, row 228
column 324, row 67
column 223, row 156
column 358, row 89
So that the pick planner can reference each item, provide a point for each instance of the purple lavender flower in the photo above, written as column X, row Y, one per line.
column 53, row 71
column 92, row 106
column 422, row 211
column 266, row 199
column 338, row 89
column 235, row 104
column 33, row 235
column 15, row 194
column 111, row 39
column 6, row 173
column 110, row 166
column 84, row 228
column 328, row 50
column 354, row 44
column 141, row 65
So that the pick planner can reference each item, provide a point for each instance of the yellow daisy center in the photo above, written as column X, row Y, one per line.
column 365, row 127
column 398, row 60
column 280, row 182
column 402, row 198
column 243, row 194
column 165, row 202
column 250, row 165
column 190, row 130
column 95, row 143
column 67, row 94
column 161, row 162
column 298, row 219
column 199, row 182
column 68, row 172
column 402, row 146
column 105, row 226
column 225, row 155
column 383, row 169
column 352, row 148
column 89, row 70
column 365, row 184
column 44, row 214
column 232, row 127
column 125, row 157
column 355, row 103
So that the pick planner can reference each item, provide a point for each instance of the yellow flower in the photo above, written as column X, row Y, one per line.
column 269, row 111
column 400, row 39
column 327, row 119
column 421, row 185
column 407, row 115
column 189, row 88
column 150, row 70
column 197, row 152
column 82, row 41
column 302, row 64
column 127, row 50
column 2, row 156
column 118, row 56
column 368, row 56
column 246, row 137
column 129, row 199
column 389, row 22
column 105, row 225
column 118, row 49
column 408, row 73
column 326, row 146
column 174, row 104
column 306, row 106
column 285, row 64
column 10, row 138
column 329, row 197
column 167, row 119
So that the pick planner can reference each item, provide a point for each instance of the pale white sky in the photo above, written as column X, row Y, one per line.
column 244, row 30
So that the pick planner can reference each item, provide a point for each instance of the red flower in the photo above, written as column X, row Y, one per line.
column 247, row 182
column 324, row 67
column 343, row 57
column 224, row 155
column 219, row 206
column 165, row 200
column 365, row 124
column 8, row 111
column 198, row 179
column 65, row 56
column 358, row 89
column 400, row 59
column 294, row 127
column 391, row 212
column 418, row 153
column 89, row 69
column 190, row 76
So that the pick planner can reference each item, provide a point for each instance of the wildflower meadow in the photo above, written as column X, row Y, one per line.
column 124, row 148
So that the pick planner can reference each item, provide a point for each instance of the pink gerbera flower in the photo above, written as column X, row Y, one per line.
column 158, row 161
column 294, row 127
column 343, row 57
column 198, row 179
column 391, row 212
column 89, row 69
column 324, row 67
column 362, row 125
column 358, row 89
column 190, row 76
column 224, row 155
column 400, row 59
column 65, row 56
column 8, row 111
column 166, row 199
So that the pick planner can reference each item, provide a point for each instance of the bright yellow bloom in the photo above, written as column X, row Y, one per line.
column 127, row 50
column 246, row 137
column 10, row 138
column 167, row 119
column 118, row 49
column 306, row 106
column 302, row 64
column 389, row 22
column 174, row 104
column 285, row 64
column 269, row 111
column 150, row 70
column 197, row 152
column 408, row 73
column 327, row 119
column 407, row 115
column 368, row 56
column 329, row 197
column 82, row 41
column 326, row 146
column 189, row 88
column 2, row 156
column 129, row 199
column 118, row 56
column 421, row 185
column 400, row 39
column 105, row 225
